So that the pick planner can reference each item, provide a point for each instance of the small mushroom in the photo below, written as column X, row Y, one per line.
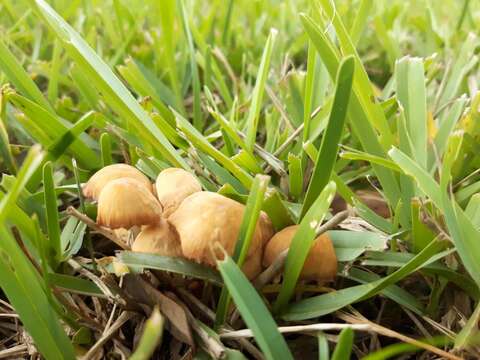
column 172, row 186
column 204, row 218
column 126, row 202
column 321, row 262
column 102, row 177
column 161, row 239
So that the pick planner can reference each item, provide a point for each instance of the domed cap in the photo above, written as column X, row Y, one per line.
column 126, row 202
column 161, row 239
column 173, row 185
column 205, row 218
column 103, row 176
column 321, row 262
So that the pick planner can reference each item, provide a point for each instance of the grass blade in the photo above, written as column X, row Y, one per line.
column 53, row 224
column 343, row 350
column 301, row 243
column 253, row 311
column 176, row 265
column 151, row 337
column 330, row 302
column 245, row 236
column 329, row 147
column 257, row 95
column 411, row 91
column 104, row 80
column 462, row 231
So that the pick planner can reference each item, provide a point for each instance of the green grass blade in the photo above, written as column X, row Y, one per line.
column 24, row 291
column 245, row 236
column 104, row 80
column 171, row 264
column 5, row 149
column 151, row 337
column 464, row 234
column 323, row 349
column 253, row 311
column 20, row 78
column 20, row 281
column 295, row 176
column 363, row 86
column 197, row 114
column 199, row 141
column 330, row 302
column 359, row 117
column 411, row 94
column 106, row 149
column 329, row 147
column 257, row 95
column 360, row 21
column 53, row 224
column 343, row 350
column 301, row 244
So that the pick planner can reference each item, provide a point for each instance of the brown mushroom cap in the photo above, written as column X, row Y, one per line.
column 172, row 186
column 321, row 262
column 204, row 218
column 126, row 202
column 161, row 239
column 103, row 176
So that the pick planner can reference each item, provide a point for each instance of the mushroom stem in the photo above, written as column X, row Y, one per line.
column 109, row 234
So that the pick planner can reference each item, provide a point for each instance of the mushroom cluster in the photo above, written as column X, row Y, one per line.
column 176, row 218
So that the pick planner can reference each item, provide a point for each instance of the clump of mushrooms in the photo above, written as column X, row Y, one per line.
column 321, row 262
column 178, row 219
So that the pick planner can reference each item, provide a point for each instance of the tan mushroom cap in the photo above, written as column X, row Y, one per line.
column 126, row 202
column 321, row 262
column 103, row 176
column 172, row 186
column 205, row 218
column 161, row 239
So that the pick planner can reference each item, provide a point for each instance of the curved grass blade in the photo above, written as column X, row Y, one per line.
column 349, row 245
column 328, row 303
column 171, row 264
column 301, row 244
column 359, row 117
column 463, row 232
column 199, row 141
column 253, row 311
column 151, row 337
column 21, row 282
column 329, row 147
column 104, row 80
column 74, row 284
column 245, row 236
column 20, row 78
column 257, row 95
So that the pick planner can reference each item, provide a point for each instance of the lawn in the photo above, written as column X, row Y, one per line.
column 239, row 179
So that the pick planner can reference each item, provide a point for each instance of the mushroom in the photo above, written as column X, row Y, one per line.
column 126, row 202
column 204, row 218
column 321, row 262
column 161, row 239
column 172, row 186
column 97, row 182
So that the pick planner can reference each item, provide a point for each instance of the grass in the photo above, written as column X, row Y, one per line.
column 279, row 105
